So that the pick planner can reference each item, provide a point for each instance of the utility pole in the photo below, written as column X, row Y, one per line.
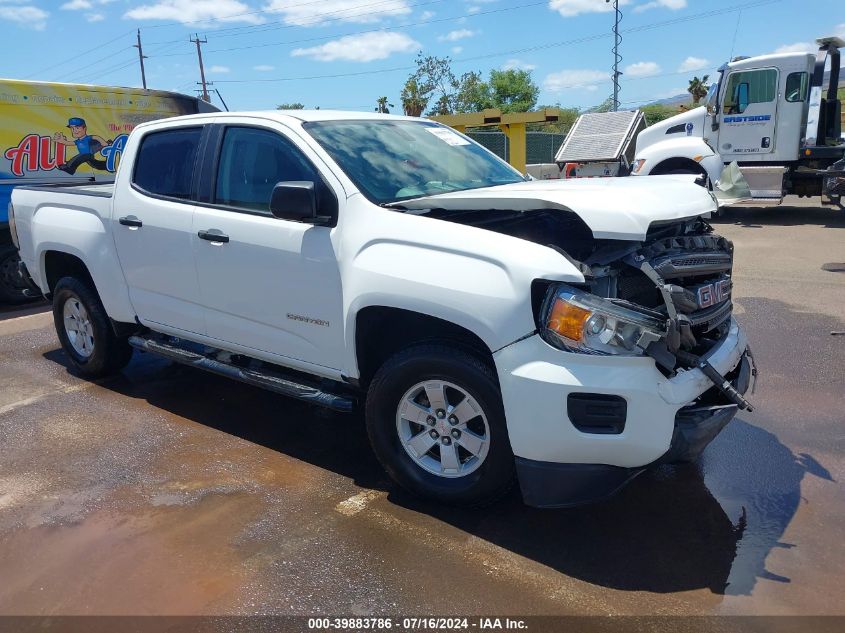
column 203, row 83
column 141, row 58
column 617, row 40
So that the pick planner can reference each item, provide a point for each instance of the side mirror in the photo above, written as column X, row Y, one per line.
column 294, row 200
column 742, row 96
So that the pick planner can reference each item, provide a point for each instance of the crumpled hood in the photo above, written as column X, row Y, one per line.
column 613, row 208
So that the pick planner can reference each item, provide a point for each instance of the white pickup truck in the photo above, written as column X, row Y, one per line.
column 566, row 334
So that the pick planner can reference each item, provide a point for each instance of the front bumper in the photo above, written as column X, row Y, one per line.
column 668, row 419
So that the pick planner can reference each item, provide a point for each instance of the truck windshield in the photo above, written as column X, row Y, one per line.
column 394, row 160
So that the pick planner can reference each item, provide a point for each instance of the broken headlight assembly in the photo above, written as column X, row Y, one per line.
column 578, row 321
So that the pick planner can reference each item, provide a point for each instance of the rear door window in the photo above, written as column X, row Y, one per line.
column 796, row 86
column 165, row 162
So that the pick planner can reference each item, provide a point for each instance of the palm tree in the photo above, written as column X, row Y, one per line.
column 698, row 88
column 414, row 101
column 382, row 105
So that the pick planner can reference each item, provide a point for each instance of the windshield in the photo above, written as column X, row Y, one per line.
column 394, row 160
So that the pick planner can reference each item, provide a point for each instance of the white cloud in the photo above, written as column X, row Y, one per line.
column 454, row 36
column 318, row 13
column 584, row 79
column 661, row 4
column 798, row 47
column 693, row 63
column 219, row 70
column 193, row 11
column 264, row 68
column 77, row 4
column 642, row 69
column 427, row 15
column 360, row 48
column 27, row 16
column 95, row 17
column 809, row 47
column 457, row 50
column 517, row 64
column 569, row 8
column 473, row 10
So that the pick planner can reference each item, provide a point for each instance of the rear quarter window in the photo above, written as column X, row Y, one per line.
column 165, row 162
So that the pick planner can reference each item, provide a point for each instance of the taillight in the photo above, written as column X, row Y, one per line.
column 12, row 228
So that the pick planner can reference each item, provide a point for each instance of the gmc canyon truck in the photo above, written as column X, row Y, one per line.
column 566, row 334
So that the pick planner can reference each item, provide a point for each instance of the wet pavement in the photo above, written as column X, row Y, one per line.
column 166, row 490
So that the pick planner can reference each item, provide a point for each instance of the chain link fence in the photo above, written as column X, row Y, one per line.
column 540, row 147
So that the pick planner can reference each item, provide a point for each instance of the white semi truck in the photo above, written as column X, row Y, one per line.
column 777, row 116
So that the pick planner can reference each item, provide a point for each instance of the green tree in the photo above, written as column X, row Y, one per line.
column 657, row 112
column 382, row 105
column 432, row 80
column 564, row 123
column 290, row 106
column 513, row 90
column 414, row 101
column 698, row 88
column 473, row 93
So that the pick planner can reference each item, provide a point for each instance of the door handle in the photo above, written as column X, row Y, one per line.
column 131, row 221
column 213, row 235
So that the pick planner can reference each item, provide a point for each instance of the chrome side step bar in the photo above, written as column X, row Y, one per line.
column 266, row 379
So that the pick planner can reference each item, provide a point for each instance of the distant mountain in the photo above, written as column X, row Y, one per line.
column 685, row 99
column 681, row 99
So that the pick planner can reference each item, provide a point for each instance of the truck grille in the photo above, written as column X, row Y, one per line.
column 689, row 277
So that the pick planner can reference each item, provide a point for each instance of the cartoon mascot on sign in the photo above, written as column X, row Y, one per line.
column 86, row 144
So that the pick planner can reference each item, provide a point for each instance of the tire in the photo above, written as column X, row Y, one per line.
column 85, row 330
column 479, row 467
column 12, row 284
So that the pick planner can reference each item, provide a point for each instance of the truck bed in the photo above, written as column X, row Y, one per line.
column 98, row 189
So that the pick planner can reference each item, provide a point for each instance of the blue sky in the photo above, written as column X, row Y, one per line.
column 347, row 53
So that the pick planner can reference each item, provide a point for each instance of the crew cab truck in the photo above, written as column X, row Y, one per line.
column 568, row 334
column 778, row 116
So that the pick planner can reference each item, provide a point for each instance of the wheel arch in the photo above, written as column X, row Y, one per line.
column 675, row 164
column 57, row 264
column 381, row 331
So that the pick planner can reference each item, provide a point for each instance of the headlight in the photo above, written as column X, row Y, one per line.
column 638, row 165
column 13, row 229
column 581, row 322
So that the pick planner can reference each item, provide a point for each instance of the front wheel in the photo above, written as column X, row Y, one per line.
column 85, row 331
column 436, row 423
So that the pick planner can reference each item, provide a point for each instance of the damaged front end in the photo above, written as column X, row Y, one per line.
column 668, row 297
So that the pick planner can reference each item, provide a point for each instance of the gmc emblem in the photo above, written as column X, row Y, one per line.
column 712, row 294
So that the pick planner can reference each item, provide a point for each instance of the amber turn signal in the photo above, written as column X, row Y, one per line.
column 568, row 320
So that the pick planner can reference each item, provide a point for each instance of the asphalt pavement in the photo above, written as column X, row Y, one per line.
column 166, row 490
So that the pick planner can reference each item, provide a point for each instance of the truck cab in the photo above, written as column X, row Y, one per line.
column 778, row 116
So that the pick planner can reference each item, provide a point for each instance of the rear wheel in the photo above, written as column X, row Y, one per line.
column 13, row 286
column 436, row 423
column 85, row 331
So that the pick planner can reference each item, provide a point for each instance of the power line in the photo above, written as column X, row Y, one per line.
column 141, row 58
column 317, row 18
column 529, row 49
column 199, row 42
column 74, row 58
column 373, row 30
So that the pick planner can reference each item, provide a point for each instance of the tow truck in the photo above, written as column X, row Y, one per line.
column 778, row 117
